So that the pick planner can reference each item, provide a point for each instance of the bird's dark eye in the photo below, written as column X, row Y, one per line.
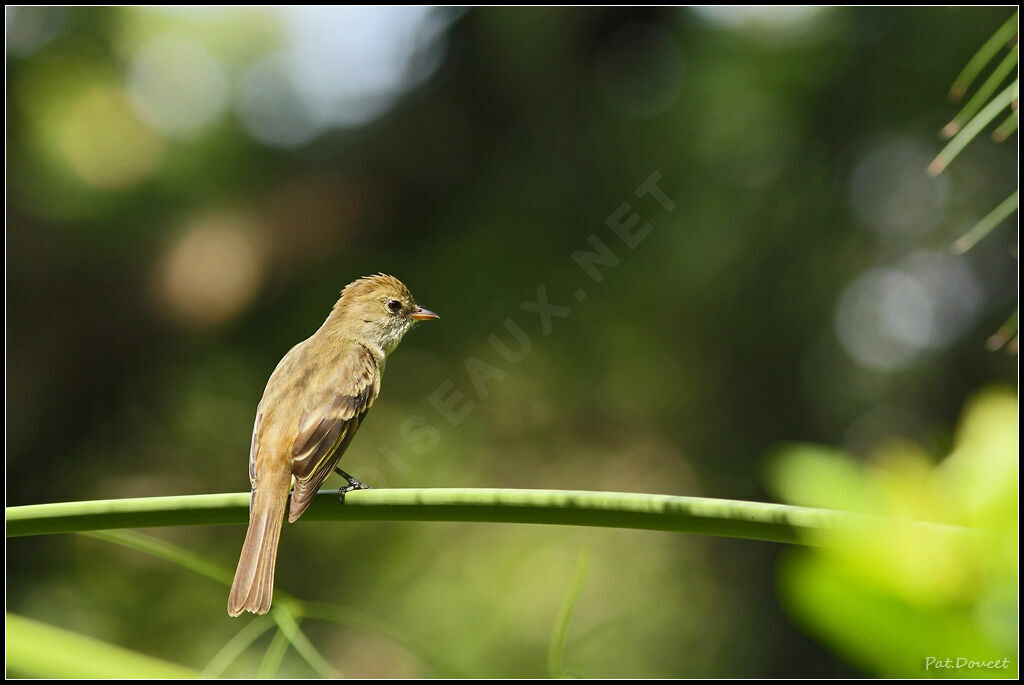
column 394, row 306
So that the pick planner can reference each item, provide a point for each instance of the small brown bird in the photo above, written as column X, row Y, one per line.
column 312, row 406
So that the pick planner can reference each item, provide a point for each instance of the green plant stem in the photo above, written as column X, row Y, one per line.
column 274, row 655
column 981, row 229
column 290, row 628
column 730, row 518
column 983, row 56
column 1005, row 129
column 973, row 128
column 1006, row 333
column 998, row 75
column 236, row 646
column 559, row 635
column 166, row 551
column 341, row 615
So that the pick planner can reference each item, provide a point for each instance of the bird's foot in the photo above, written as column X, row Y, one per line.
column 353, row 484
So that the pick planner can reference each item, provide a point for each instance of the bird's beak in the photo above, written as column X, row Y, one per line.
column 421, row 314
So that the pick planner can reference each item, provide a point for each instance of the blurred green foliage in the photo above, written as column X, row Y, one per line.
column 889, row 597
column 182, row 208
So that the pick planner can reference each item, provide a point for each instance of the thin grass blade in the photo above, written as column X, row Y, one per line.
column 556, row 647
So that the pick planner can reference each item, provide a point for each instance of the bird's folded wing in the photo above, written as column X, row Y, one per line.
column 324, row 432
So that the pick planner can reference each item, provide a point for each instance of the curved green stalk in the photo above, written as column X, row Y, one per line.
column 236, row 646
column 288, row 626
column 730, row 518
column 274, row 655
column 162, row 549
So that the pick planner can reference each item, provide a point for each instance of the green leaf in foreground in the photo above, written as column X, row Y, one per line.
column 880, row 632
column 39, row 650
column 888, row 600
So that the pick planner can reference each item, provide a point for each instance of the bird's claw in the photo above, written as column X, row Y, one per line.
column 353, row 484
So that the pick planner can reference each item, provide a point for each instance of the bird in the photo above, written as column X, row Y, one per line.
column 314, row 402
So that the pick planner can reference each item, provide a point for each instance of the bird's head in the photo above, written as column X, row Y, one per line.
column 378, row 309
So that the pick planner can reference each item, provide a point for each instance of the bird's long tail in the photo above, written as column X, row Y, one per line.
column 253, row 588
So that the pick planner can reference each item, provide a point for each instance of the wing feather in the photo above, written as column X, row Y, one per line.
column 325, row 432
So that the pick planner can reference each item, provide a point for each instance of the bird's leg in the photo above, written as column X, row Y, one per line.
column 353, row 484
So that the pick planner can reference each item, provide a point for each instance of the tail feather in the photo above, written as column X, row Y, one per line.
column 253, row 587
